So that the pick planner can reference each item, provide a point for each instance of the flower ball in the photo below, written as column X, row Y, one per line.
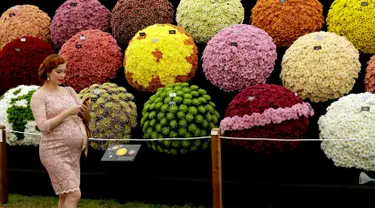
column 158, row 55
column 266, row 111
column 285, row 21
column 74, row 16
column 20, row 60
column 16, row 115
column 24, row 20
column 239, row 56
column 354, row 20
column 370, row 76
column 130, row 16
column 203, row 18
column 349, row 124
column 93, row 57
column 320, row 66
column 113, row 113
column 179, row 111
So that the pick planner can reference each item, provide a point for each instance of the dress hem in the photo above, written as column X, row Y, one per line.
column 68, row 191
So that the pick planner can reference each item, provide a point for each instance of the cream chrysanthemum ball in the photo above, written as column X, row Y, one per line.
column 320, row 66
column 204, row 18
column 351, row 117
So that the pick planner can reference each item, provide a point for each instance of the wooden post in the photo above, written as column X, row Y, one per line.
column 217, row 190
column 3, row 167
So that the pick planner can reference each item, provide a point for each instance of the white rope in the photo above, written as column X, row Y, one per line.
column 100, row 139
column 20, row 132
column 208, row 137
column 294, row 140
column 159, row 139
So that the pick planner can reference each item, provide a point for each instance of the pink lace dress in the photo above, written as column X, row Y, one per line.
column 60, row 148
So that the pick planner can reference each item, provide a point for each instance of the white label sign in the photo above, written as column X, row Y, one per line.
column 172, row 94
column 1, row 136
column 213, row 132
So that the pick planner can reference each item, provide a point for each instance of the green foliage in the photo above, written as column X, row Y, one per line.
column 179, row 111
column 18, row 116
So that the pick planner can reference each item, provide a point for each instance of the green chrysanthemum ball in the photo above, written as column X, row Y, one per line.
column 179, row 111
column 113, row 112
column 16, row 115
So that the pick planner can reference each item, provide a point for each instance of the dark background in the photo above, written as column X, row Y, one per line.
column 302, row 178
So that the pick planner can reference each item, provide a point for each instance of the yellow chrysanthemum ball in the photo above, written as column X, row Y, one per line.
column 355, row 20
column 158, row 55
column 24, row 20
column 320, row 66
column 204, row 18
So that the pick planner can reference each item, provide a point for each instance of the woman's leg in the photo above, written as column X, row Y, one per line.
column 61, row 200
column 72, row 199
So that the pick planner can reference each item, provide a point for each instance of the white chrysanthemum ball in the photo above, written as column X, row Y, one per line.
column 351, row 117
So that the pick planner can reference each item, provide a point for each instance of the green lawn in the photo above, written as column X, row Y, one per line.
column 18, row 201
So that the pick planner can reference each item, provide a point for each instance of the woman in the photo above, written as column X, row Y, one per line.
column 56, row 110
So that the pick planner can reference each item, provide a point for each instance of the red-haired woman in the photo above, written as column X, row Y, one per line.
column 56, row 110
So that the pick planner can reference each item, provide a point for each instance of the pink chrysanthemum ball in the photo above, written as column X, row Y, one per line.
column 266, row 111
column 130, row 16
column 24, row 20
column 239, row 56
column 74, row 16
column 20, row 60
column 93, row 57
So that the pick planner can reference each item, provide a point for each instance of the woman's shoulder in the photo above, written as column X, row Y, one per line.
column 37, row 94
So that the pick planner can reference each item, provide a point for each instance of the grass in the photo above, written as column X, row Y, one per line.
column 19, row 201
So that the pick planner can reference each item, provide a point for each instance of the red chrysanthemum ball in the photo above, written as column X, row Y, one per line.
column 266, row 111
column 287, row 20
column 130, row 16
column 20, row 60
column 93, row 57
column 24, row 20
column 74, row 16
column 370, row 76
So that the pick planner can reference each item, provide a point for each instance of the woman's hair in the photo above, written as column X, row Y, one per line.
column 50, row 62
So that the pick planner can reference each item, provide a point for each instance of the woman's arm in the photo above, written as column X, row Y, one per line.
column 38, row 108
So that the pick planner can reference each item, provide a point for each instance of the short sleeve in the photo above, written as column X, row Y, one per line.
column 38, row 108
column 75, row 96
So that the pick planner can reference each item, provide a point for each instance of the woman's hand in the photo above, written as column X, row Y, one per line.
column 85, row 111
column 74, row 110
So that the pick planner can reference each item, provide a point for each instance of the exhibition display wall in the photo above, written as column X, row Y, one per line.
column 281, row 69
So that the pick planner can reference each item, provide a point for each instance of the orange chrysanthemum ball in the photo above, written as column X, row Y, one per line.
column 24, row 20
column 287, row 20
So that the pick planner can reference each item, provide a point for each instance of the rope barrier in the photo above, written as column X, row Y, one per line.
column 159, row 139
column 293, row 140
column 208, row 137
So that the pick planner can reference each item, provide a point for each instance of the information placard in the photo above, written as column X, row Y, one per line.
column 121, row 152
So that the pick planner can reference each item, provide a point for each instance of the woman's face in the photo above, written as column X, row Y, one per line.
column 57, row 75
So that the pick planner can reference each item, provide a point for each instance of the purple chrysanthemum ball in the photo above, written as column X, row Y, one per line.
column 130, row 16
column 239, row 56
column 74, row 16
column 93, row 57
